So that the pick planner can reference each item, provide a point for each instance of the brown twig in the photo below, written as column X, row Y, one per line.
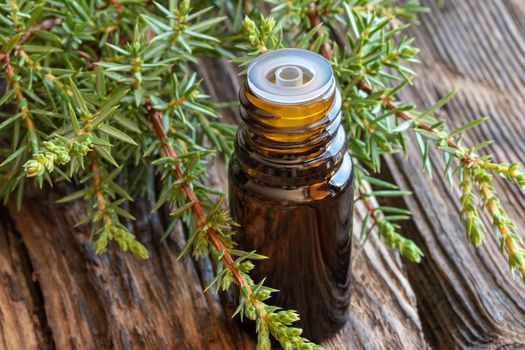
column 315, row 20
column 369, row 206
column 198, row 211
column 99, row 196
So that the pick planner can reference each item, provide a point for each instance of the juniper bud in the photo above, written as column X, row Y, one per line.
column 123, row 245
column 49, row 146
column 483, row 176
column 498, row 219
column 263, row 294
column 513, row 170
column 412, row 252
column 57, row 153
column 250, row 30
column 250, row 311
column 267, row 26
column 521, row 179
column 246, row 266
column 287, row 316
column 263, row 338
column 409, row 52
column 49, row 160
column 294, row 331
column 138, row 250
column 226, row 281
column 476, row 236
column 101, row 244
column 249, row 25
column 63, row 157
column 184, row 6
column 80, row 148
column 34, row 168
column 120, row 236
column 516, row 259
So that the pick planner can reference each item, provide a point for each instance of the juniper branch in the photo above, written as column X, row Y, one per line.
column 387, row 231
column 465, row 155
column 10, row 71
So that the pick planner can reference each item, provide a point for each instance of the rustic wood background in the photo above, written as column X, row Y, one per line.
column 55, row 293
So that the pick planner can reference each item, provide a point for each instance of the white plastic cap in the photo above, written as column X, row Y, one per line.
column 289, row 76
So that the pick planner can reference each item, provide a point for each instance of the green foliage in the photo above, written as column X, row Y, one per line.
column 104, row 94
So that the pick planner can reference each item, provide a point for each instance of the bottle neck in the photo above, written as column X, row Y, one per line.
column 290, row 144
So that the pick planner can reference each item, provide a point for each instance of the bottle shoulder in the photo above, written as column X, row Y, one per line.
column 339, row 181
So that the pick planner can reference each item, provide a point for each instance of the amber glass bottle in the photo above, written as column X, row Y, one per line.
column 290, row 186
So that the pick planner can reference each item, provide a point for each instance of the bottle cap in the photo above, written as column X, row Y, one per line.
column 289, row 76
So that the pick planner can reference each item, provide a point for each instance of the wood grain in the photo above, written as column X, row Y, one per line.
column 467, row 297
column 109, row 302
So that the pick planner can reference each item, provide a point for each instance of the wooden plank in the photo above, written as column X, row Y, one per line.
column 466, row 296
column 108, row 301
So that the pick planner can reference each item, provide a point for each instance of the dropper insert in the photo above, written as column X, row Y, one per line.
column 289, row 76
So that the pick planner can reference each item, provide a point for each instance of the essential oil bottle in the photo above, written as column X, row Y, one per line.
column 290, row 186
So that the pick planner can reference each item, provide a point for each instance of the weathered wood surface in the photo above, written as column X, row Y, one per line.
column 466, row 297
column 56, row 293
